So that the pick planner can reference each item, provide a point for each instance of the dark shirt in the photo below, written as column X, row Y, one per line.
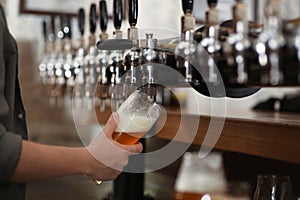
column 12, row 114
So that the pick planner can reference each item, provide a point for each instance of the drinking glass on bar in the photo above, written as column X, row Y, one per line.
column 200, row 178
column 138, row 113
column 273, row 187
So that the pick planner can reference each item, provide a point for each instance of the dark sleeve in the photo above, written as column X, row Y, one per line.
column 10, row 150
column 10, row 143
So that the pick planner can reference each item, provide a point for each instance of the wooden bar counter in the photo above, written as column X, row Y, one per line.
column 274, row 135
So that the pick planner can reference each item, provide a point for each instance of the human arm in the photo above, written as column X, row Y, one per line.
column 38, row 161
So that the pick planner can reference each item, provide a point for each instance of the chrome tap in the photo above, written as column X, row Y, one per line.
column 78, row 63
column 238, row 43
column 272, row 40
column 132, row 56
column 131, row 61
column 45, row 56
column 102, row 80
column 185, row 53
column 90, row 75
column 60, row 81
column 68, row 63
column 149, row 57
column 50, row 68
column 114, row 73
column 210, row 46
column 90, row 62
column 102, row 60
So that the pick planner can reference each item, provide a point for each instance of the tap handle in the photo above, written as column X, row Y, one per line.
column 103, row 15
column 212, row 3
column 68, row 27
column 187, row 6
column 133, row 12
column 117, row 11
column 93, row 18
column 81, row 21
column 52, row 30
column 61, row 33
column 44, row 27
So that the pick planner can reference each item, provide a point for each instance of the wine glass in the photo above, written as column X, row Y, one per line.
column 273, row 187
column 200, row 178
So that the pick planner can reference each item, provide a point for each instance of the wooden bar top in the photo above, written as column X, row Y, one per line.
column 274, row 135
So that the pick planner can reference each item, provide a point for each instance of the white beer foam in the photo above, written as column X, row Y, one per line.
column 134, row 124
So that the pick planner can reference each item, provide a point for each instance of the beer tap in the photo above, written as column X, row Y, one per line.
column 132, row 56
column 103, row 19
column 272, row 40
column 68, row 63
column 149, row 57
column 81, row 27
column 210, row 44
column 93, row 25
column 188, row 19
column 102, row 59
column 237, row 44
column 116, row 68
column 51, row 77
column 60, row 81
column 89, row 68
column 114, row 73
column 45, row 56
column 79, row 59
column 185, row 53
column 132, row 19
column 118, row 14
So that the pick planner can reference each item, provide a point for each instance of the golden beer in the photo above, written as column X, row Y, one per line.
column 127, row 138
column 199, row 196
column 188, row 196
column 131, row 128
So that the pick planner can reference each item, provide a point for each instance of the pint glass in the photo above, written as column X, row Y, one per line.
column 200, row 178
column 138, row 113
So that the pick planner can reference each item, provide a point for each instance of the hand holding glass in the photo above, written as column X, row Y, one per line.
column 137, row 114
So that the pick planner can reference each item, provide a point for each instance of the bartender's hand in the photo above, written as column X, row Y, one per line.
column 108, row 157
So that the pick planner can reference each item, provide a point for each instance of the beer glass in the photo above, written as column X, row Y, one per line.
column 138, row 113
column 237, row 190
column 273, row 187
column 200, row 178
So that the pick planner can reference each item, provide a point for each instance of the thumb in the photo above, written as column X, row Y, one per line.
column 111, row 124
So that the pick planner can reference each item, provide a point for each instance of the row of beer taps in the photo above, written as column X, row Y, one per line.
column 236, row 52
column 241, row 52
